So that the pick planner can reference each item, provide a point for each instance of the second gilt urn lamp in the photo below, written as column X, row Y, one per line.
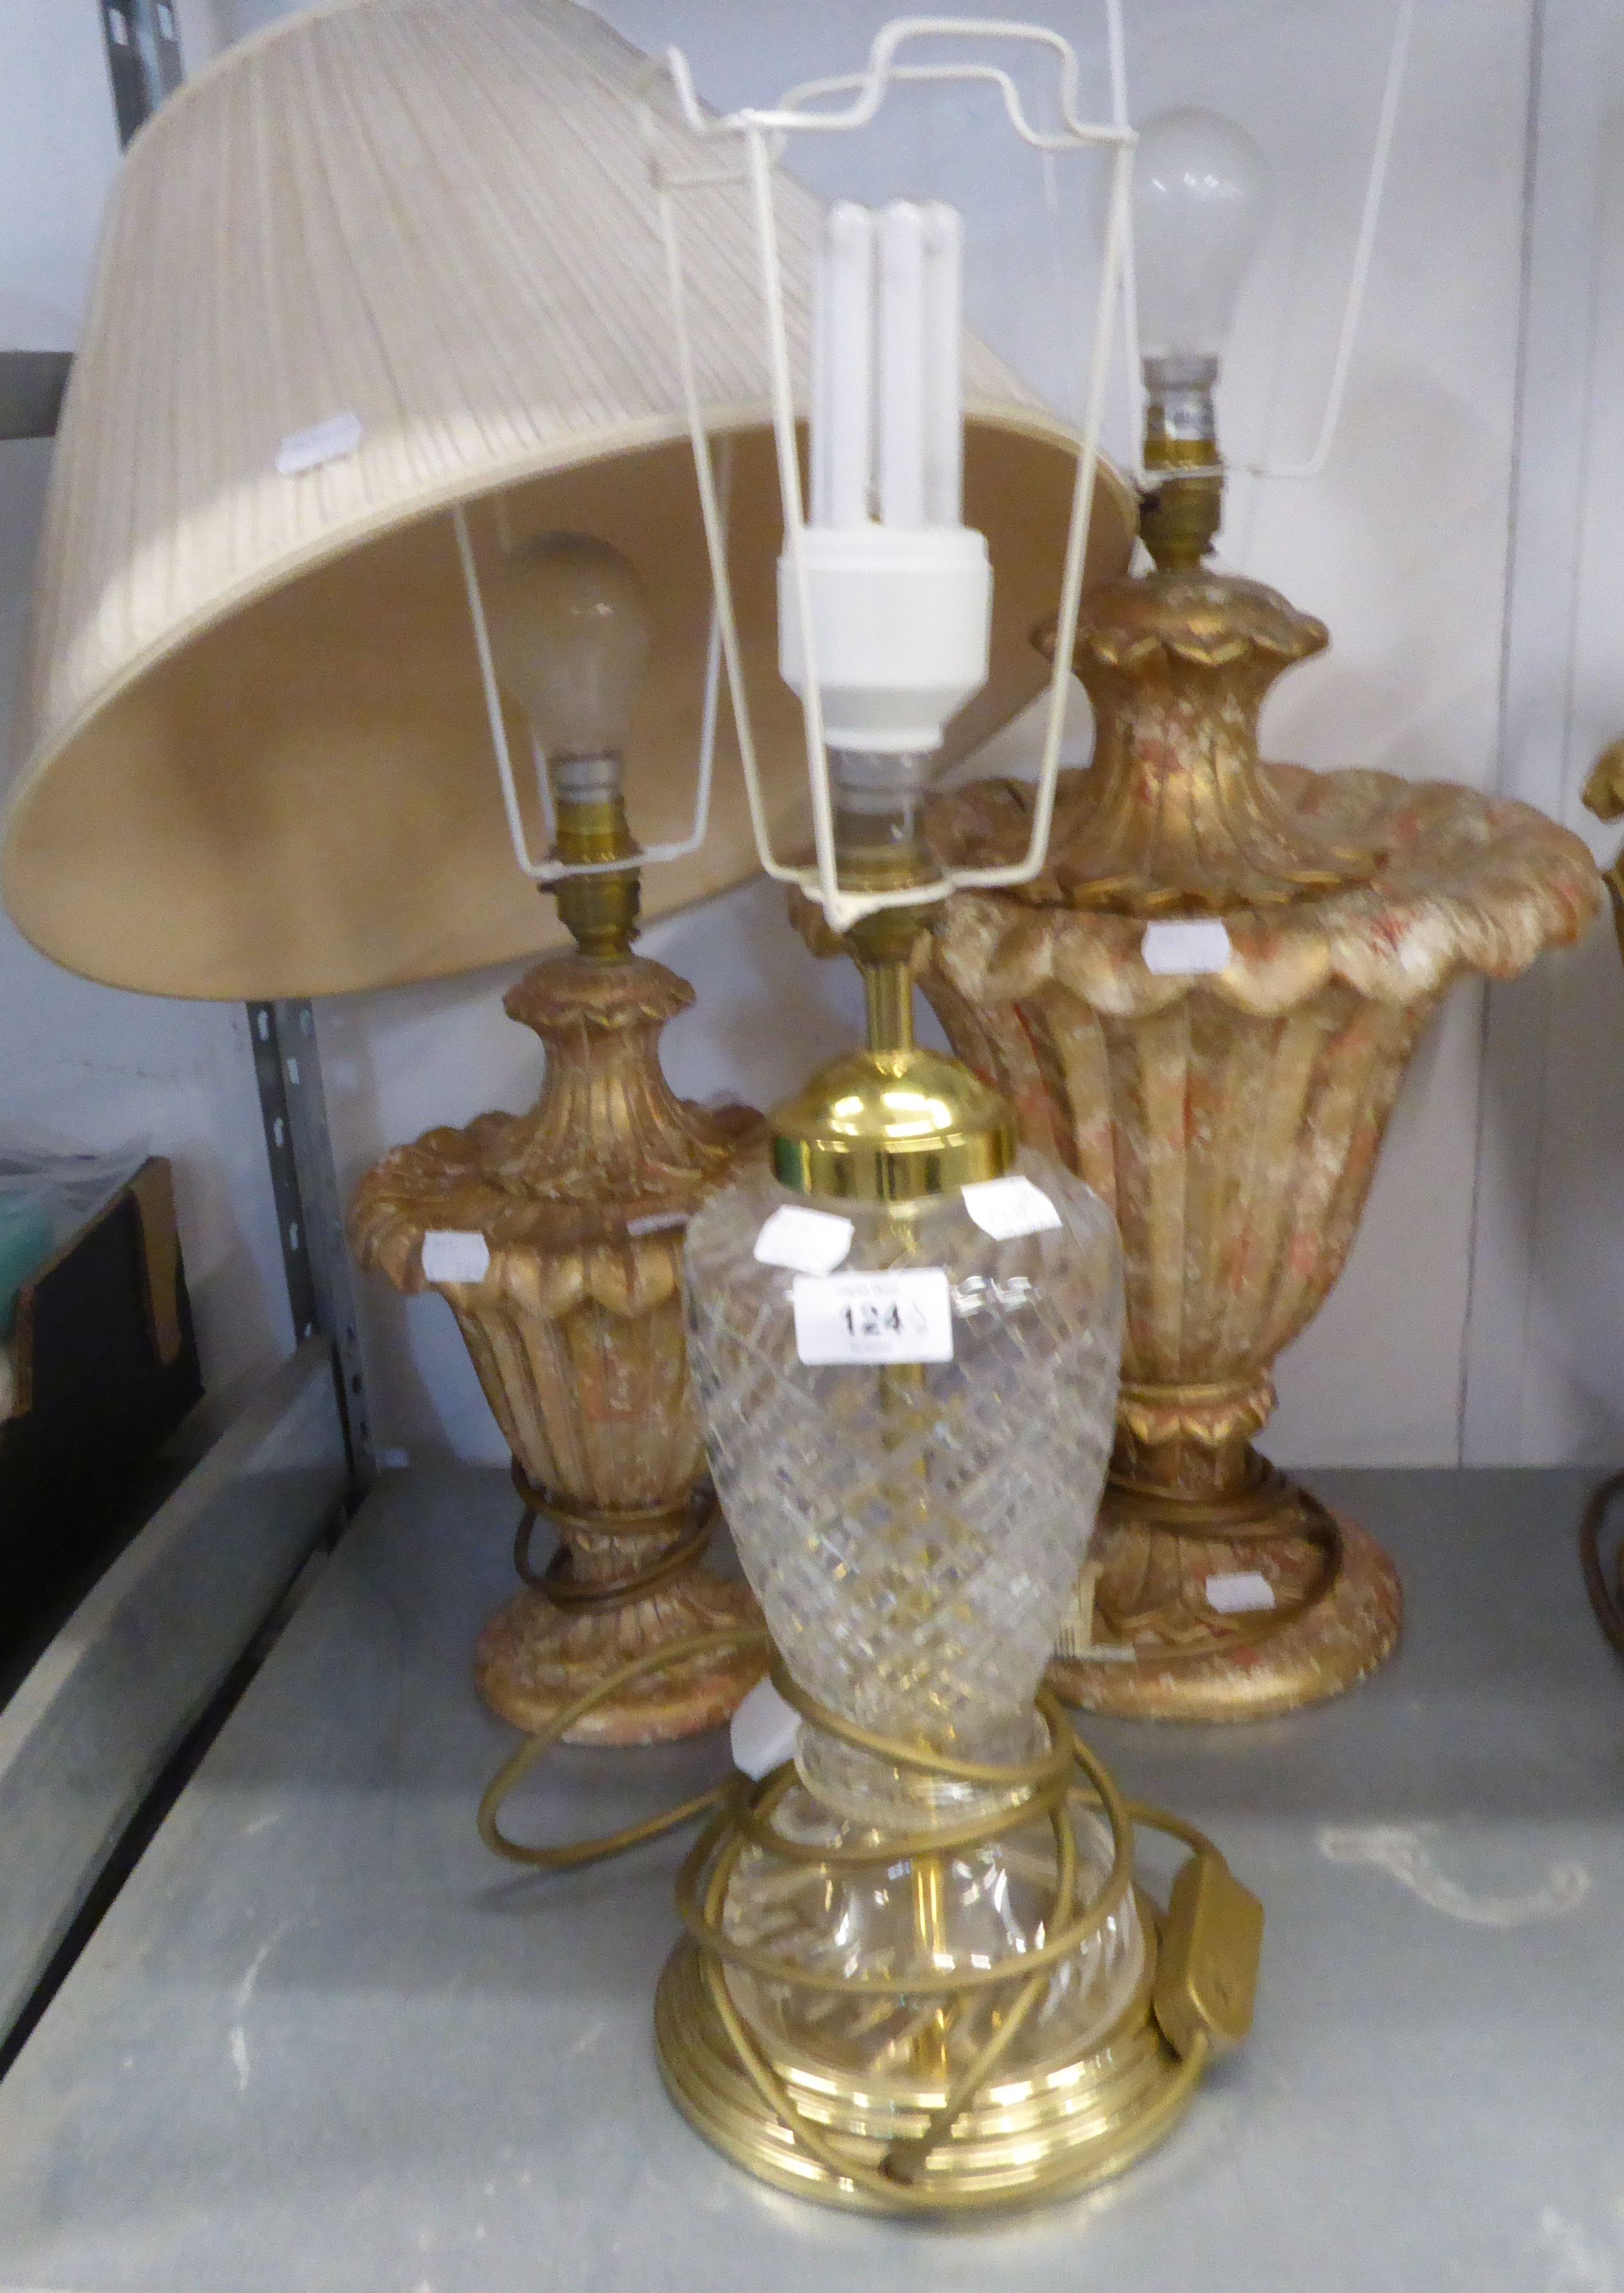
column 1206, row 1007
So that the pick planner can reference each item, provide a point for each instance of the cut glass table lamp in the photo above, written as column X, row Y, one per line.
column 919, row 1975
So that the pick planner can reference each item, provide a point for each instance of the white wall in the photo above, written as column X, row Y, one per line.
column 91, row 1066
column 1546, row 1339
column 1474, row 1308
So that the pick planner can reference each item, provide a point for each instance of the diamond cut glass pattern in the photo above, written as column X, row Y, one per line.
column 914, row 1533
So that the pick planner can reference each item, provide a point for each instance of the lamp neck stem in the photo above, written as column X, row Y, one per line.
column 598, row 912
column 883, row 850
column 1179, row 518
column 882, row 956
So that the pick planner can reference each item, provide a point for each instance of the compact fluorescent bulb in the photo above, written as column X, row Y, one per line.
column 901, row 605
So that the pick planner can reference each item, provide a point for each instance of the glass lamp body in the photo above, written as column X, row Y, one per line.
column 914, row 1534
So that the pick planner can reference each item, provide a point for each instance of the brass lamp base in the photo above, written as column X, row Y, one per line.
column 838, row 2081
column 1160, row 1650
column 1058, row 2129
column 804, row 2087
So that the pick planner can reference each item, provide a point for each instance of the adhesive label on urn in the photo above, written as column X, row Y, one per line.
column 1239, row 1591
column 904, row 1316
column 450, row 1256
column 1008, row 1208
column 807, row 1242
column 1180, row 946
column 656, row 1222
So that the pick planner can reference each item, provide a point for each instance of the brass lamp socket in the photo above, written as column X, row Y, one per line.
column 1179, row 522
column 1179, row 518
column 600, row 912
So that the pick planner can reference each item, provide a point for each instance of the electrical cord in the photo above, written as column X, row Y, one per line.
column 741, row 1814
column 557, row 1581
column 1607, row 1601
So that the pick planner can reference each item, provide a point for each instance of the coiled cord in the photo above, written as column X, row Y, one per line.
column 558, row 1583
column 741, row 1814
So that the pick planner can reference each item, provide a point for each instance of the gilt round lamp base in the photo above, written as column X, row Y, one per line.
column 532, row 1659
column 1192, row 1662
column 1058, row 2129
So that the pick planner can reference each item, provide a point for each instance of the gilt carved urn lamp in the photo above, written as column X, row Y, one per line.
column 1205, row 1006
column 426, row 490
column 556, row 1237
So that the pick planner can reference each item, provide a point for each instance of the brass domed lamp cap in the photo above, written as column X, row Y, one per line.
column 892, row 1122
column 894, row 1127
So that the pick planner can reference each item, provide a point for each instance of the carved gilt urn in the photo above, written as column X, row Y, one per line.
column 1226, row 1093
column 575, row 1330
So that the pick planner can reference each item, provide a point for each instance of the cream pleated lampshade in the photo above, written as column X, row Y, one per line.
column 256, row 760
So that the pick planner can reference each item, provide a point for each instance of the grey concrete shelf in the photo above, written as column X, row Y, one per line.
column 322, row 2043
column 86, row 1734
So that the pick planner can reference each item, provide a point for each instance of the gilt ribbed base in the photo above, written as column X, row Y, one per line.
column 532, row 1659
column 1179, row 1659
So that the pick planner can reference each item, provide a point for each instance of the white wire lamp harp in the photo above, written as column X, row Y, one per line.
column 857, row 595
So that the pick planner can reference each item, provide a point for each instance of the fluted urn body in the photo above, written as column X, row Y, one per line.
column 1231, row 1117
column 576, row 1328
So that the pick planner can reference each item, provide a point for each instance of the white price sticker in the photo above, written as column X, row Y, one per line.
column 1075, row 1637
column 1239, row 1593
column 1008, row 1208
column 1181, row 946
column 449, row 1256
column 323, row 442
column 905, row 1317
column 764, row 1731
column 808, row 1242
column 656, row 1222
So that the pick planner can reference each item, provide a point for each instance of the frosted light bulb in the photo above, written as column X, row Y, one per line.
column 568, row 638
column 1200, row 201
